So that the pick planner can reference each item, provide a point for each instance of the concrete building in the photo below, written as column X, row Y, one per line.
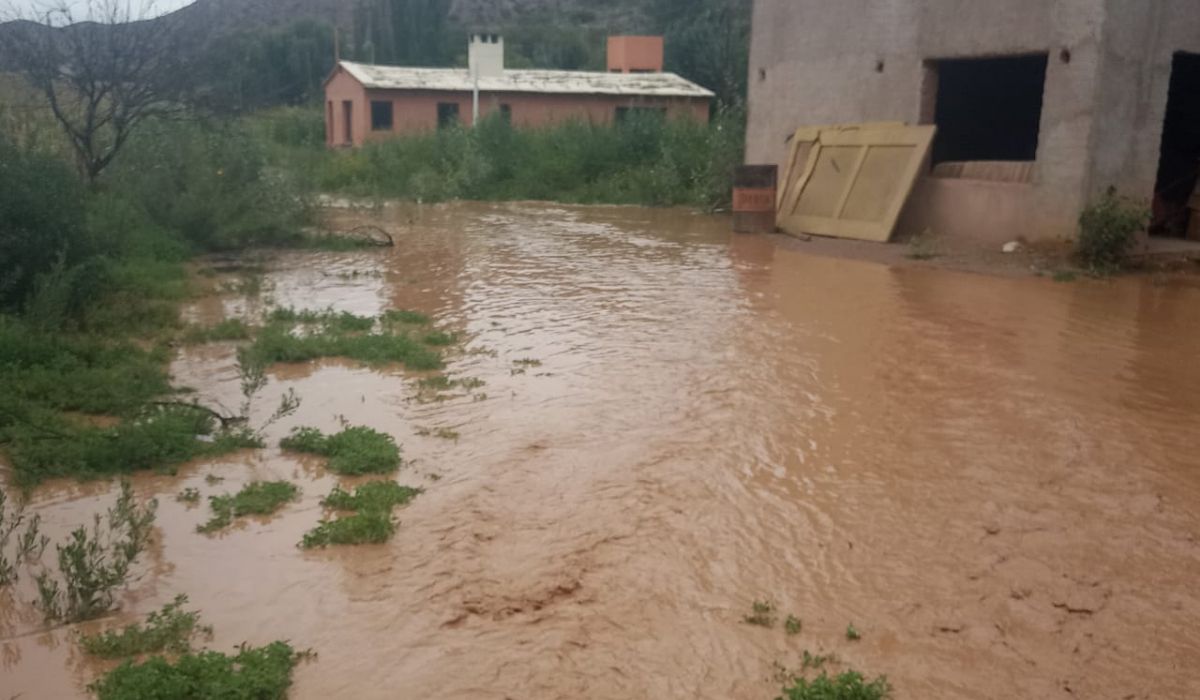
column 369, row 102
column 1041, row 105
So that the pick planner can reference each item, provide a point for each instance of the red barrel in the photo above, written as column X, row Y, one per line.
column 754, row 198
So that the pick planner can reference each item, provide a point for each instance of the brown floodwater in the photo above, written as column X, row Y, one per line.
column 996, row 480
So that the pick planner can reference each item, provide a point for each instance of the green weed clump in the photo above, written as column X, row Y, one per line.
column 1106, row 232
column 371, row 524
column 762, row 614
column 301, row 336
column 367, row 527
column 354, row 450
column 29, row 544
column 256, row 498
column 374, row 495
column 170, row 629
column 415, row 318
column 849, row 685
column 253, row 673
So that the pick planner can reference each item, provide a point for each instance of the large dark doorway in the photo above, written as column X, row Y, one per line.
column 1179, row 157
column 989, row 108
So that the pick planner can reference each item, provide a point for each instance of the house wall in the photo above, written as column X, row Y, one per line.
column 342, row 87
column 416, row 111
column 814, row 62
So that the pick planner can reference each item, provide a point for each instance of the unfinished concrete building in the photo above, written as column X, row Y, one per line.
column 1040, row 105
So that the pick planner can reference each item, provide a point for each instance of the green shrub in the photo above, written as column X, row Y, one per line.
column 845, row 686
column 262, row 673
column 41, row 222
column 1106, row 232
column 336, row 335
column 354, row 450
column 209, row 185
column 170, row 629
column 374, row 495
column 256, row 498
column 367, row 527
column 92, row 565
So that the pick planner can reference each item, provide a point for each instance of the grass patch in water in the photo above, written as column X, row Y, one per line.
column 375, row 495
column 367, row 527
column 850, row 685
column 762, row 614
column 229, row 329
column 258, row 673
column 354, row 450
column 256, row 498
column 852, row 633
column 371, row 524
column 170, row 629
column 188, row 495
column 439, row 338
column 277, row 343
column 329, row 320
column 792, row 625
column 414, row 318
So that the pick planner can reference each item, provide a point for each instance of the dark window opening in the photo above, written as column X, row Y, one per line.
column 329, row 122
column 447, row 114
column 625, row 114
column 347, row 121
column 506, row 113
column 1179, row 157
column 988, row 108
column 381, row 116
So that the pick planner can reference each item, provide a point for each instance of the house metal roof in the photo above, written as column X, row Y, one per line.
column 556, row 82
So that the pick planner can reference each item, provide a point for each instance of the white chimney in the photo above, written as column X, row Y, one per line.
column 485, row 56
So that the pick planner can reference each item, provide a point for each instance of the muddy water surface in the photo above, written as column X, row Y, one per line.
column 995, row 480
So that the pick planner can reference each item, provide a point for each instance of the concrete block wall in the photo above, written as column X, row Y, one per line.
column 815, row 62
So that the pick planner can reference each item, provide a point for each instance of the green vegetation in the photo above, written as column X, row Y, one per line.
column 404, row 316
column 93, row 564
column 374, row 495
column 188, row 495
column 852, row 633
column 371, row 524
column 170, row 629
column 762, row 614
column 256, row 498
column 254, row 673
column 330, row 334
column 442, row 433
column 792, row 625
column 367, row 527
column 644, row 160
column 1107, row 230
column 354, row 450
column 850, row 685
column 29, row 544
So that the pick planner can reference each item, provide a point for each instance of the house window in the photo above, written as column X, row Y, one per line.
column 506, row 113
column 626, row 114
column 987, row 108
column 381, row 115
column 447, row 114
column 348, row 121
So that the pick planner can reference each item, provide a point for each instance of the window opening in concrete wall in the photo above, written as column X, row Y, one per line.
column 1176, row 200
column 447, row 114
column 988, row 109
column 347, row 120
column 381, row 115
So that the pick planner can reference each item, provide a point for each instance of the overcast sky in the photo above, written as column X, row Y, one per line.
column 26, row 8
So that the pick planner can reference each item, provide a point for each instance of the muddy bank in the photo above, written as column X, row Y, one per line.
column 994, row 479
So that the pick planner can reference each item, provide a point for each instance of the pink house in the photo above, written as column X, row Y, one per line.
column 365, row 102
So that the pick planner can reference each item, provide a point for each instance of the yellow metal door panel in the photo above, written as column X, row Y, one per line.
column 854, row 179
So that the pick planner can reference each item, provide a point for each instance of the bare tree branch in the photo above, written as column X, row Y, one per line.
column 102, row 69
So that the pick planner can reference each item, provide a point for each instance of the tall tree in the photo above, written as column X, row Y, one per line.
column 707, row 41
column 101, row 70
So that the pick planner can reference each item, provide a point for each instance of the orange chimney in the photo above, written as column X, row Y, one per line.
column 635, row 54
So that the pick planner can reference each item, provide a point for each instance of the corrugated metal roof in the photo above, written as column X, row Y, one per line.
column 560, row 82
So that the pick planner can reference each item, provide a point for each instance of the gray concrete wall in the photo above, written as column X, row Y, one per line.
column 816, row 62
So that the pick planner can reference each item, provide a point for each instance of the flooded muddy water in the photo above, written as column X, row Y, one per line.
column 995, row 480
